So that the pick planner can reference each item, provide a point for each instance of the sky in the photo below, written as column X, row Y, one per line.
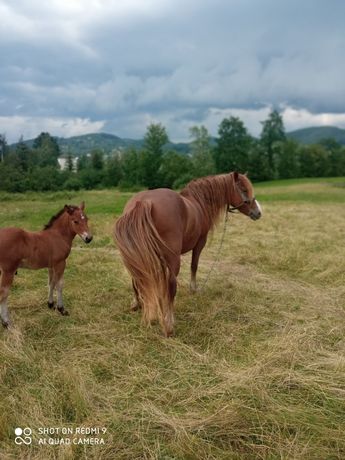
column 73, row 67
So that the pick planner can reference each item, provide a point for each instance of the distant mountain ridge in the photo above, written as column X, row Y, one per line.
column 315, row 134
column 80, row 145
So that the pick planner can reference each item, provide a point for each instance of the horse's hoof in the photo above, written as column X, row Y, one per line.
column 50, row 304
column 6, row 324
column 63, row 311
column 135, row 306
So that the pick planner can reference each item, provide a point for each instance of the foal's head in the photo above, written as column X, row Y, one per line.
column 242, row 197
column 78, row 221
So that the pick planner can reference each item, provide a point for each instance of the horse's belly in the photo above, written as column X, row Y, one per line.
column 31, row 264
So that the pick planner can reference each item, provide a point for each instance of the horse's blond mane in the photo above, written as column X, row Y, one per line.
column 212, row 194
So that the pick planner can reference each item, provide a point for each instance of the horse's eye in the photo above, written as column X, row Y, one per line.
column 76, row 222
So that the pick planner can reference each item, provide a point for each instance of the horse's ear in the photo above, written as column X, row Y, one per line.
column 246, row 174
column 82, row 205
column 236, row 176
column 68, row 209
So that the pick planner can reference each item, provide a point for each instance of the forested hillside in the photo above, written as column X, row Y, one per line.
column 103, row 160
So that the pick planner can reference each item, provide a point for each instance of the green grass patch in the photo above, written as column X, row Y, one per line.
column 256, row 369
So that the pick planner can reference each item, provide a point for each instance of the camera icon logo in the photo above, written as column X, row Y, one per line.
column 23, row 436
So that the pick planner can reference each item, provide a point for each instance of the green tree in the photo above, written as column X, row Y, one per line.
column 83, row 162
column 113, row 170
column 12, row 178
column 174, row 166
column 47, row 150
column 151, row 157
column 45, row 178
column 233, row 144
column 287, row 159
column 201, row 150
column 258, row 168
column 97, row 161
column 273, row 131
column 3, row 147
column 69, row 161
column 336, row 156
column 130, row 168
column 23, row 153
column 314, row 161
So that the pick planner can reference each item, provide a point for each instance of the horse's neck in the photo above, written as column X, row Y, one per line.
column 61, row 225
column 220, row 199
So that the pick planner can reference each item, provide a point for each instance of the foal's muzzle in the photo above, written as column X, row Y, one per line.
column 86, row 237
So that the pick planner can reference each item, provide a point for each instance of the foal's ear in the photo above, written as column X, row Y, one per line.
column 82, row 205
column 236, row 176
column 69, row 209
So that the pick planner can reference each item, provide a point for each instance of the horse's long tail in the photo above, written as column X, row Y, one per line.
column 141, row 248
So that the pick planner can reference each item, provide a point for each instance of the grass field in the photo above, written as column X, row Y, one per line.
column 256, row 369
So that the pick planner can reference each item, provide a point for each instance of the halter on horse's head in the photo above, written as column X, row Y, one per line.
column 242, row 197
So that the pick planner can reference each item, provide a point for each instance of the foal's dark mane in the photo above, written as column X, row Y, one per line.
column 212, row 194
column 56, row 216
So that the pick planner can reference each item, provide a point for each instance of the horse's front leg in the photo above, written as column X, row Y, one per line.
column 5, row 285
column 58, row 271
column 195, row 260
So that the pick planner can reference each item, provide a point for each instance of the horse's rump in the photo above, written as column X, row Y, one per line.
column 142, row 251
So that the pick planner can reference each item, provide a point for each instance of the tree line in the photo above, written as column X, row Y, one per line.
column 271, row 156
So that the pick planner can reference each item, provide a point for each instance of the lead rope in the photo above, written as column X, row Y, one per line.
column 216, row 259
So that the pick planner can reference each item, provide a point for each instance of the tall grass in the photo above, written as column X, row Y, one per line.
column 256, row 369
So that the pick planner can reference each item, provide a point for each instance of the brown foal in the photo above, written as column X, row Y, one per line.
column 48, row 248
column 157, row 226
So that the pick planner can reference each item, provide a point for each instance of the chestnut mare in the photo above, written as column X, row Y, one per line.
column 48, row 248
column 159, row 225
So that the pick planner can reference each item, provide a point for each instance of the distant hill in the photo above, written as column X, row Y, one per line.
column 79, row 145
column 316, row 134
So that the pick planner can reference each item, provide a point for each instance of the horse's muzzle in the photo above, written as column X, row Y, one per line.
column 88, row 239
column 255, row 215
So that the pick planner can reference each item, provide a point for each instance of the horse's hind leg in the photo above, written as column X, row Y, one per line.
column 136, row 305
column 168, row 315
column 195, row 261
column 5, row 285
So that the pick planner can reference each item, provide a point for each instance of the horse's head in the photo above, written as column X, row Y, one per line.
column 78, row 221
column 242, row 196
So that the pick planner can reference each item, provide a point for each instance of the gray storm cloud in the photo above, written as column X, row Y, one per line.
column 107, row 65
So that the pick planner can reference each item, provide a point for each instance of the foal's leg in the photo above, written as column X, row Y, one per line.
column 51, row 288
column 195, row 260
column 5, row 285
column 58, row 282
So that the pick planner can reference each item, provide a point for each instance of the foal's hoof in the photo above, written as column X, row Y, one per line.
column 63, row 311
column 6, row 324
column 50, row 304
